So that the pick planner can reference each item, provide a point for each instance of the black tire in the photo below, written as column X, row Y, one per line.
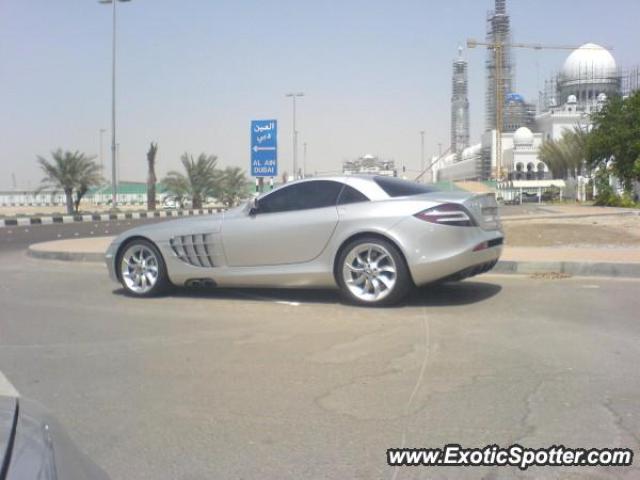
column 403, row 282
column 162, row 283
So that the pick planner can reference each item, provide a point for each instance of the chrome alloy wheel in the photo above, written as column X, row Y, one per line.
column 139, row 268
column 369, row 272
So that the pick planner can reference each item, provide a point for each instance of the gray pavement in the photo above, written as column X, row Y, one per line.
column 294, row 384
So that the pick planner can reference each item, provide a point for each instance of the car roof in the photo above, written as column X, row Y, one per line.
column 363, row 183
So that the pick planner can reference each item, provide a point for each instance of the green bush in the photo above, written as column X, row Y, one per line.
column 605, row 195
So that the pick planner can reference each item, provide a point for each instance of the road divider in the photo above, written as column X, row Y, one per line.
column 100, row 217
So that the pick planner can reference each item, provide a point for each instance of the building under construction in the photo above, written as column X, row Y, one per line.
column 498, row 32
column 459, row 105
column 581, row 87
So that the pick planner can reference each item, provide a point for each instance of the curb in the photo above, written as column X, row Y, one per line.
column 575, row 269
column 100, row 217
column 92, row 257
column 519, row 218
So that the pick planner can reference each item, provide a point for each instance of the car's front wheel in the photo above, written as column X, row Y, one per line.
column 142, row 270
column 371, row 271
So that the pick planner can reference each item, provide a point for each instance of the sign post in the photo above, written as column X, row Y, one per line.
column 264, row 149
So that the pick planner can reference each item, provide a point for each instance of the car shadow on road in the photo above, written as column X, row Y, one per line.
column 452, row 293
column 436, row 295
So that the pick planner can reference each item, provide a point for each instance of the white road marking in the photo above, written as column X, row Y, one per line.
column 6, row 388
column 291, row 304
column 590, row 286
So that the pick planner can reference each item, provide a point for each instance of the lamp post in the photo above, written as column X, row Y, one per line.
column 114, row 180
column 295, row 132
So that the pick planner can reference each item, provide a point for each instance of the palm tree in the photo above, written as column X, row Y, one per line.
column 200, row 181
column 232, row 186
column 151, row 177
column 70, row 172
column 565, row 156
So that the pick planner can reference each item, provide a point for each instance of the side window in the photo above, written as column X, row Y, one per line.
column 351, row 195
column 302, row 196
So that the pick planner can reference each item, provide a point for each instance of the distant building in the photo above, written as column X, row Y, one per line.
column 518, row 113
column 459, row 105
column 129, row 193
column 369, row 164
column 589, row 76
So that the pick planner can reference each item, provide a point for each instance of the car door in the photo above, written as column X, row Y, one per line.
column 291, row 225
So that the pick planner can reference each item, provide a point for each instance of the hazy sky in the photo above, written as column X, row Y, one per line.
column 193, row 73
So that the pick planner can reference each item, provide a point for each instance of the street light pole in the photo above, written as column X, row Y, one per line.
column 422, row 150
column 114, row 181
column 295, row 132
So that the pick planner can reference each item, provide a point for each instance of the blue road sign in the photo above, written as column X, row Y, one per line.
column 264, row 148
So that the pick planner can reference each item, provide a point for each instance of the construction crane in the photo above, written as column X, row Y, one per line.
column 497, row 48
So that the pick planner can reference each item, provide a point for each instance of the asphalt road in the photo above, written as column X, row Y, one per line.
column 293, row 384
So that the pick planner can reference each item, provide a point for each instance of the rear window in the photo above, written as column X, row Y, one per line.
column 396, row 187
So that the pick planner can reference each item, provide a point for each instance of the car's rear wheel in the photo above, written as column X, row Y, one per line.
column 142, row 270
column 371, row 271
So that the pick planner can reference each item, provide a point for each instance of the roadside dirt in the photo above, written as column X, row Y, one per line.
column 602, row 232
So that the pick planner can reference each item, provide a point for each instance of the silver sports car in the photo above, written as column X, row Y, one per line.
column 373, row 237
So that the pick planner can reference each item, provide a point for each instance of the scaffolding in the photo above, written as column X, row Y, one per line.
column 630, row 81
column 459, row 105
column 587, row 86
column 498, row 33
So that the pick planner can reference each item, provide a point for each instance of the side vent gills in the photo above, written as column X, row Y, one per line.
column 195, row 250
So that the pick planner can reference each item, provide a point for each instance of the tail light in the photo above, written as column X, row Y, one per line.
column 447, row 214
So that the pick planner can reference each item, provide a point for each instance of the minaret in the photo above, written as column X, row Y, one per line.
column 498, row 31
column 459, row 105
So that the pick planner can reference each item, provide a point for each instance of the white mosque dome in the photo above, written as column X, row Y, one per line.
column 590, row 61
column 523, row 137
column 572, row 99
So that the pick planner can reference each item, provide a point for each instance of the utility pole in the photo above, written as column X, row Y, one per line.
column 114, row 179
column 102, row 131
column 422, row 150
column 304, row 160
column 293, row 96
